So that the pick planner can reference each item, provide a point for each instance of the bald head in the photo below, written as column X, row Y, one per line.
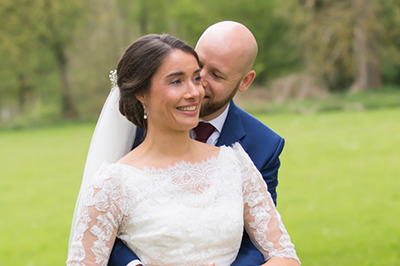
column 231, row 41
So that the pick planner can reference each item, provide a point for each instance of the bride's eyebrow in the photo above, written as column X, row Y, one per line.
column 179, row 73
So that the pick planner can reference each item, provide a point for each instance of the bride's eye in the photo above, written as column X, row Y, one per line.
column 175, row 81
column 197, row 78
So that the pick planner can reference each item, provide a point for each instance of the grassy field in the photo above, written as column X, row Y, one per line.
column 338, row 192
column 40, row 177
column 339, row 186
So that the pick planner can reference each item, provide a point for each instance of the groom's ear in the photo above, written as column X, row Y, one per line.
column 247, row 80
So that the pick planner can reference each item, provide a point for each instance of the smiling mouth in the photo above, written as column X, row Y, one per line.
column 187, row 108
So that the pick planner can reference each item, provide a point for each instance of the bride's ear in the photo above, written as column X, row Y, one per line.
column 141, row 98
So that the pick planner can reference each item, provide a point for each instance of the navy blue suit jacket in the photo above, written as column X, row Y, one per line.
column 263, row 146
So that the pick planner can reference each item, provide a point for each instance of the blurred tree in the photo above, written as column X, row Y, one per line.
column 55, row 23
column 34, row 31
column 16, row 45
column 344, row 42
column 323, row 32
column 188, row 19
column 366, row 51
column 95, row 50
column 50, row 48
column 388, row 25
column 150, row 16
column 277, row 54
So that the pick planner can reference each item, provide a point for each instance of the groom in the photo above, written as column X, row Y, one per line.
column 227, row 51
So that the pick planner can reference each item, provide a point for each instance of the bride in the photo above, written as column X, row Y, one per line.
column 172, row 200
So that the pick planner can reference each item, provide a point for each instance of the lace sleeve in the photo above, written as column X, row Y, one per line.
column 262, row 221
column 101, row 211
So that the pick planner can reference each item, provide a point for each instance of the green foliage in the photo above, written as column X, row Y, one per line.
column 382, row 98
column 338, row 193
column 36, row 37
column 388, row 24
column 324, row 31
column 327, row 37
column 277, row 55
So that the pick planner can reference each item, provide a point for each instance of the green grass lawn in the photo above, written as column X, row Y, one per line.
column 338, row 193
column 339, row 186
column 40, row 176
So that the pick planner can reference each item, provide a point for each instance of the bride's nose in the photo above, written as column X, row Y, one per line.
column 194, row 90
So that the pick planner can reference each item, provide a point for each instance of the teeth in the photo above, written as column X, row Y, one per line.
column 189, row 108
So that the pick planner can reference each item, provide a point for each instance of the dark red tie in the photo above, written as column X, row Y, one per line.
column 203, row 131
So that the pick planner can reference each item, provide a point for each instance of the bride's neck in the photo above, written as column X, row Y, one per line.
column 174, row 144
column 161, row 151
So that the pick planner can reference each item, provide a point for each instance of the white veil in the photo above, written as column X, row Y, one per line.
column 112, row 138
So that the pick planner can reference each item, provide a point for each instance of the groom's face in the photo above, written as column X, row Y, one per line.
column 220, row 77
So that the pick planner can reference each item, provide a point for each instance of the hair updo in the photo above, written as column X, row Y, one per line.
column 137, row 67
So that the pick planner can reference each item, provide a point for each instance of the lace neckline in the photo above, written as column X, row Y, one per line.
column 177, row 165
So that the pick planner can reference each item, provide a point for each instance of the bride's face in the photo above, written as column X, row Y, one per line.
column 173, row 101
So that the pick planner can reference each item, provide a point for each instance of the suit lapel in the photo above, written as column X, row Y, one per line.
column 233, row 129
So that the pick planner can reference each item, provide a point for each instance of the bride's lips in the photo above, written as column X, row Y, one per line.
column 187, row 108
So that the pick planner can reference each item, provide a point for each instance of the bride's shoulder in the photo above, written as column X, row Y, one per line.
column 206, row 150
column 114, row 171
column 105, row 174
column 107, row 170
column 236, row 150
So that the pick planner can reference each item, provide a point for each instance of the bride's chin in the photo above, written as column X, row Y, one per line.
column 192, row 123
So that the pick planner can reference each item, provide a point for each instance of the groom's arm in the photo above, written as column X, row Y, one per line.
column 121, row 255
column 268, row 164
column 248, row 254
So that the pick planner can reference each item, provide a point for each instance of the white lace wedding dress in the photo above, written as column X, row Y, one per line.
column 187, row 214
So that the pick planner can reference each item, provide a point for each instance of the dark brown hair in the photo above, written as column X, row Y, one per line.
column 137, row 67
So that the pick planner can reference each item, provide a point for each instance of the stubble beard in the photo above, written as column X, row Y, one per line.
column 213, row 106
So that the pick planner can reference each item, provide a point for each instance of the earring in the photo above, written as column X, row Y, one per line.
column 144, row 111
